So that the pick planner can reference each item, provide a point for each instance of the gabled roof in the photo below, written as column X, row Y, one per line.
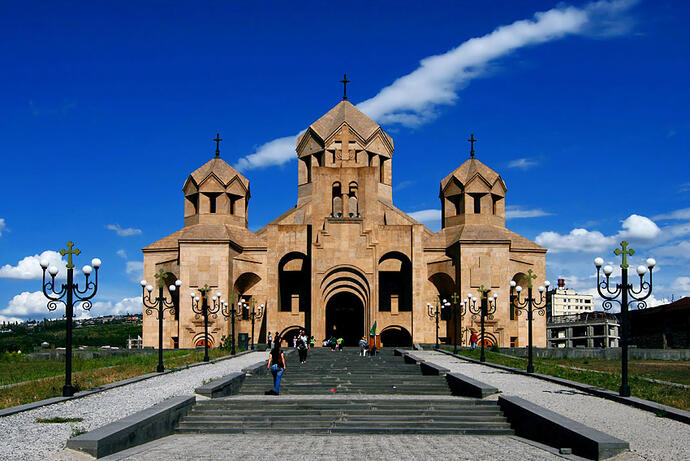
column 345, row 112
column 217, row 232
column 222, row 170
column 480, row 232
column 468, row 170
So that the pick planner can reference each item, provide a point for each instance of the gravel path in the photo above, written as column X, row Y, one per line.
column 649, row 436
column 24, row 439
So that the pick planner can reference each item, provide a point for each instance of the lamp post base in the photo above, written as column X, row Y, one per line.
column 624, row 391
column 160, row 368
column 530, row 369
column 68, row 391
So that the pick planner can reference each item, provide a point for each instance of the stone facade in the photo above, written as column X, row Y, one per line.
column 344, row 257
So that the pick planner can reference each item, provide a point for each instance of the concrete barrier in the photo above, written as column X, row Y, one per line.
column 258, row 368
column 537, row 423
column 429, row 368
column 411, row 358
column 141, row 427
column 221, row 387
column 465, row 386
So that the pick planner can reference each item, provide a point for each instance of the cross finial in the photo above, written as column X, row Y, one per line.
column 218, row 140
column 204, row 290
column 484, row 291
column 472, row 141
column 530, row 277
column 161, row 277
column 344, row 81
column 69, row 252
column 455, row 298
column 623, row 250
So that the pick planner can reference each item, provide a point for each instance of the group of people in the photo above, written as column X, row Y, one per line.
column 364, row 347
column 334, row 343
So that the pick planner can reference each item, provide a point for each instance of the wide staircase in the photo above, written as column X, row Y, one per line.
column 341, row 392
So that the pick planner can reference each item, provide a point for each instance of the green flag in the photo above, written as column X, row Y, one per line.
column 372, row 332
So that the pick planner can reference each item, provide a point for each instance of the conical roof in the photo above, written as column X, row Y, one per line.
column 221, row 169
column 469, row 169
column 343, row 112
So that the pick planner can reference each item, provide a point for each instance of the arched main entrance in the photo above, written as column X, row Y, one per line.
column 395, row 336
column 345, row 318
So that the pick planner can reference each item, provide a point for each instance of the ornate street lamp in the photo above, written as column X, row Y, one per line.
column 530, row 305
column 624, row 289
column 434, row 311
column 205, row 310
column 486, row 308
column 229, row 310
column 459, row 310
column 255, row 313
column 66, row 295
column 160, row 305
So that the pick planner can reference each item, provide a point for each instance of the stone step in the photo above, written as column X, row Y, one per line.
column 390, row 429
column 249, row 418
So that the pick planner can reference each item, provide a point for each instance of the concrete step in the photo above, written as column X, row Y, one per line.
column 391, row 429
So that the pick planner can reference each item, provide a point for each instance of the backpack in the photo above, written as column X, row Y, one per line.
column 301, row 345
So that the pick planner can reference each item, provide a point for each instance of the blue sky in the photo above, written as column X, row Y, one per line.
column 582, row 107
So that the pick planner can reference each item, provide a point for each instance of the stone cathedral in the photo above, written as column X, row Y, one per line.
column 344, row 257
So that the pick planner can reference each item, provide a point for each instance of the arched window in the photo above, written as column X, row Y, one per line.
column 352, row 207
column 337, row 199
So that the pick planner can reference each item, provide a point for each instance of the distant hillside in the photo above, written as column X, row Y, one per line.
column 28, row 336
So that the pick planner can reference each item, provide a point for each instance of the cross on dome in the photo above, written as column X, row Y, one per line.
column 344, row 81
column 218, row 139
column 472, row 141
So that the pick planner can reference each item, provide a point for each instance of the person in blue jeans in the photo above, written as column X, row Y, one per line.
column 276, row 363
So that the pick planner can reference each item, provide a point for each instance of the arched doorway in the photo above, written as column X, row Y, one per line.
column 396, row 336
column 345, row 318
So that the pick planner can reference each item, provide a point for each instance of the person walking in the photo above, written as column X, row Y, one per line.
column 269, row 340
column 277, row 339
column 277, row 365
column 302, row 347
column 363, row 347
column 473, row 340
column 312, row 342
column 340, row 344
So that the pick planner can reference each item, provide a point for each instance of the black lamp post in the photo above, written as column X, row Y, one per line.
column 205, row 310
column 160, row 305
column 255, row 313
column 229, row 310
column 460, row 310
column 434, row 311
column 66, row 295
column 486, row 308
column 625, row 290
column 530, row 305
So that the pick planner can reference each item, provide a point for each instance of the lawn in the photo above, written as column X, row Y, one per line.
column 42, row 379
column 609, row 376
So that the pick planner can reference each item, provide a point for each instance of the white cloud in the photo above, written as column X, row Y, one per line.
column 31, row 305
column 2, row 225
column 124, row 306
column 634, row 226
column 683, row 213
column 121, row 253
column 29, row 268
column 515, row 212
column 275, row 152
column 126, row 232
column 522, row 163
column 426, row 215
column 135, row 270
column 413, row 99
column 679, row 250
column 639, row 227
column 682, row 284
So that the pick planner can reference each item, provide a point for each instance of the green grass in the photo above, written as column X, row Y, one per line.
column 53, row 332
column 58, row 420
column 44, row 379
column 605, row 375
